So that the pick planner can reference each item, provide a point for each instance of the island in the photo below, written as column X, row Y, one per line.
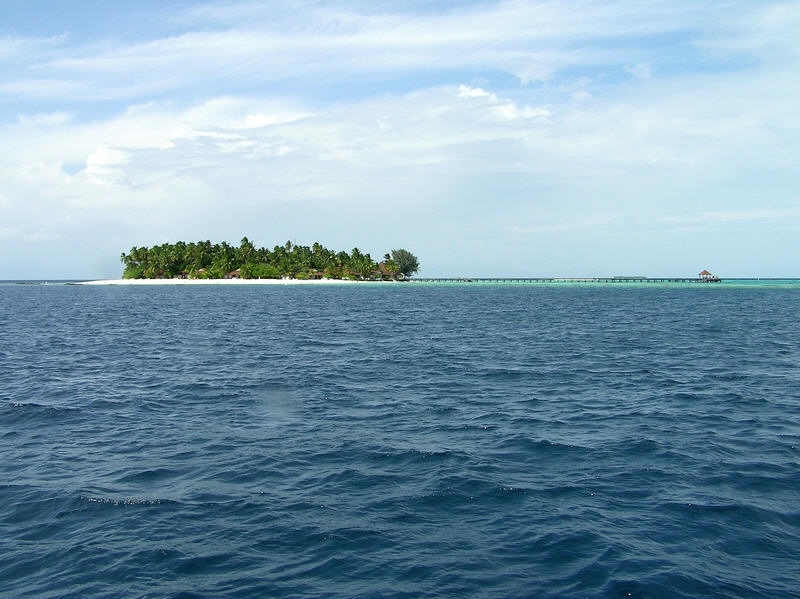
column 220, row 261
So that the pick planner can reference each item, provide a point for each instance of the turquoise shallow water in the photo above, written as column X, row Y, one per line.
column 400, row 441
column 725, row 283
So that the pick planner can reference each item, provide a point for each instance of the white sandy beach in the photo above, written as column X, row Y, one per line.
column 231, row 282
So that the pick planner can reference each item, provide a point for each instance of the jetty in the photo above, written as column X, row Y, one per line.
column 615, row 280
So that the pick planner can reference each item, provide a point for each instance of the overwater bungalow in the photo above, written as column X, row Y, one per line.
column 707, row 277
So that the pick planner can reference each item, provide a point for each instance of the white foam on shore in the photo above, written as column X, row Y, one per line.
column 231, row 282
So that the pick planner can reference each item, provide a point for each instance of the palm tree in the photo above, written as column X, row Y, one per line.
column 246, row 250
column 289, row 259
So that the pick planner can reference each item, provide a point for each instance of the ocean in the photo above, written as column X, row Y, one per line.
column 400, row 441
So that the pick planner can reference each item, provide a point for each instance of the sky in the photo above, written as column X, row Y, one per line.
column 511, row 138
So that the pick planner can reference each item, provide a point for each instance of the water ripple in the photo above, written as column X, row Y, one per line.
column 399, row 441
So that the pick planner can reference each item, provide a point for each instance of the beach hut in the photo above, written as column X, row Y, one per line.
column 706, row 275
column 384, row 274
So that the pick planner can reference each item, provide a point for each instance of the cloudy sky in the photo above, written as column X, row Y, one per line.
column 490, row 138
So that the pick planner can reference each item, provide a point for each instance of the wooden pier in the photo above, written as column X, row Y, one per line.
column 616, row 280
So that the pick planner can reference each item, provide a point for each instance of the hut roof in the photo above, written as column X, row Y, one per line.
column 705, row 273
column 383, row 270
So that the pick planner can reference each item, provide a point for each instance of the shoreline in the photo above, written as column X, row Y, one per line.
column 582, row 282
column 230, row 282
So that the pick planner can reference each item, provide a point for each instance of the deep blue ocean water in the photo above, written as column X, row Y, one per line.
column 400, row 441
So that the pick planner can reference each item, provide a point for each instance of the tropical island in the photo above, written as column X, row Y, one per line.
column 202, row 260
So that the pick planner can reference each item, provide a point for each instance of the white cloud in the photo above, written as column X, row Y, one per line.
column 531, row 41
column 641, row 70
column 45, row 119
column 581, row 96
column 750, row 215
column 16, row 48
column 501, row 109
column 254, row 121
column 262, row 153
column 465, row 91
column 318, row 127
column 106, row 166
column 767, row 32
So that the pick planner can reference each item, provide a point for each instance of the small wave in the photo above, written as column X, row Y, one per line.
column 503, row 374
column 738, row 514
column 37, row 413
column 204, row 564
column 150, row 475
column 636, row 447
column 527, row 449
column 115, row 501
column 420, row 457
column 39, row 407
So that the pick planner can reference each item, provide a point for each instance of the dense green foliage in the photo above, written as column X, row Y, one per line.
column 406, row 262
column 202, row 260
